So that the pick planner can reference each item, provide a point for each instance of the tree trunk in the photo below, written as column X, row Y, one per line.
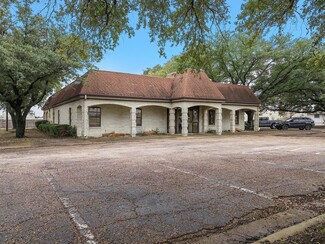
column 13, row 119
column 21, row 124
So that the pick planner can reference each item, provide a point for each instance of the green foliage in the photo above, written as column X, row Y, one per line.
column 286, row 74
column 258, row 17
column 179, row 22
column 39, row 122
column 56, row 130
column 36, row 55
column 173, row 65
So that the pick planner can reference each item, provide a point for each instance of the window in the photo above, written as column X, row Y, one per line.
column 70, row 116
column 53, row 116
column 139, row 116
column 212, row 117
column 58, row 116
column 316, row 116
column 237, row 118
column 94, row 114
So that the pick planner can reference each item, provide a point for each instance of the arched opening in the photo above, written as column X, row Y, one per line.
column 226, row 119
column 154, row 119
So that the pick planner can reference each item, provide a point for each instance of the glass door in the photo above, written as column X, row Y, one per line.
column 193, row 120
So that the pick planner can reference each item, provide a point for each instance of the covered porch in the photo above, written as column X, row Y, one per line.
column 136, row 118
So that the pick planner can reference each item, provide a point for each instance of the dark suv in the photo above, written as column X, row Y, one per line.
column 298, row 122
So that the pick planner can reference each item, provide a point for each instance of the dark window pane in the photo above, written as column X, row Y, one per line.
column 237, row 117
column 70, row 116
column 139, row 116
column 94, row 114
column 212, row 115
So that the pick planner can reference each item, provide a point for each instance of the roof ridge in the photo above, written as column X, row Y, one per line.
column 116, row 72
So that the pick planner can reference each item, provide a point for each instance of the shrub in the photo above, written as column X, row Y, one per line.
column 40, row 122
column 58, row 130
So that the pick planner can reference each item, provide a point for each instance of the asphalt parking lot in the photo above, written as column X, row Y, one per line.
column 151, row 191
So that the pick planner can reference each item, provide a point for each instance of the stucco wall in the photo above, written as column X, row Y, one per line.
column 113, row 119
column 115, row 115
column 64, row 113
column 117, row 119
column 153, row 118
column 225, row 119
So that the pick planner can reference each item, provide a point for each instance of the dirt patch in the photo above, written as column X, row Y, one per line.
column 33, row 138
column 314, row 201
column 315, row 234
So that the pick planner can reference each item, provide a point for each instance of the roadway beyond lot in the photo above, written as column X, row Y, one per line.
column 159, row 190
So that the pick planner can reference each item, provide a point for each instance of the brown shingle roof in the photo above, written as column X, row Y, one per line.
column 113, row 84
column 189, row 85
column 237, row 94
column 195, row 85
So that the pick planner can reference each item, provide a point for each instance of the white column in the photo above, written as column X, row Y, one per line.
column 172, row 121
column 133, row 122
column 184, row 121
column 242, row 120
column 232, row 121
column 256, row 120
column 85, row 120
column 205, row 121
column 218, row 121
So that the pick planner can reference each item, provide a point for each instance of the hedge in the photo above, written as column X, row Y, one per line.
column 58, row 130
column 39, row 122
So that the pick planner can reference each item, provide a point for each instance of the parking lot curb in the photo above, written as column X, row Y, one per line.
column 292, row 230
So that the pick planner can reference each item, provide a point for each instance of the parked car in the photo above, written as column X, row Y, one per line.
column 303, row 123
column 266, row 122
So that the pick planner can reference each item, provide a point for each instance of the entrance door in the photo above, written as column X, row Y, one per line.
column 193, row 120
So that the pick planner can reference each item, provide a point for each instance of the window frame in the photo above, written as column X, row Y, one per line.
column 91, row 115
column 138, row 118
column 237, row 117
column 212, row 117
column 70, row 116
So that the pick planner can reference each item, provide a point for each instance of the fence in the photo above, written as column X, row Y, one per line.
column 30, row 123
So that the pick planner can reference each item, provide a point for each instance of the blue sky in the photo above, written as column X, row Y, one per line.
column 136, row 54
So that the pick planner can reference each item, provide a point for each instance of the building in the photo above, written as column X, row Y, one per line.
column 104, row 102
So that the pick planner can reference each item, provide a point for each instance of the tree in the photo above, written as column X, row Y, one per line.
column 295, row 84
column 35, row 57
column 282, row 72
column 258, row 17
column 187, row 22
column 183, row 22
column 173, row 65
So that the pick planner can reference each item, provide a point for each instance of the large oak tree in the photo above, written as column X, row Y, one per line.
column 36, row 56
column 282, row 71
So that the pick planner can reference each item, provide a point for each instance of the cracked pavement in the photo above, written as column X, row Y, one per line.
column 149, row 191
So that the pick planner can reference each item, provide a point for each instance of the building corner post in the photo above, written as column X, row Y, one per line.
column 85, row 118
column 232, row 121
column 133, row 122
column 205, row 121
column 256, row 120
column 172, row 121
column 184, row 121
column 218, row 121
